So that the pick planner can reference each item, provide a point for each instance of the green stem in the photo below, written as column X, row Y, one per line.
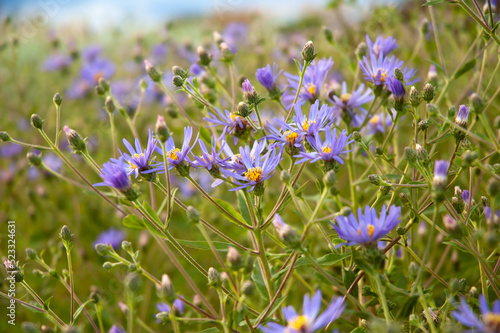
column 113, row 133
column 382, row 298
column 299, row 88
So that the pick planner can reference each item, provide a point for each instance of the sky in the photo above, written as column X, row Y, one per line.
column 99, row 13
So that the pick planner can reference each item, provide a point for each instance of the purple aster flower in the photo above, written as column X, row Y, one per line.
column 367, row 229
column 350, row 105
column 490, row 217
column 441, row 173
column 378, row 70
column 289, row 136
column 158, row 53
column 116, row 329
column 235, row 162
column 462, row 117
column 127, row 94
column 235, row 34
column 490, row 319
column 10, row 149
column 112, row 236
column 178, row 307
column 56, row 62
column 268, row 77
column 396, row 88
column 317, row 120
column 382, row 45
column 314, row 78
column 209, row 159
column 79, row 89
column 114, row 175
column 234, row 124
column 328, row 150
column 139, row 160
column 91, row 53
column 308, row 321
column 91, row 72
column 378, row 123
column 257, row 169
column 175, row 156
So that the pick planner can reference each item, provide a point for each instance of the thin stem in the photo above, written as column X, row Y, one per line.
column 113, row 134
column 299, row 88
column 58, row 124
column 71, row 284
column 383, row 300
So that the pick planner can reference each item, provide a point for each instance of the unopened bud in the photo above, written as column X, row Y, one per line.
column 432, row 109
column 103, row 84
column 204, row 58
column 493, row 187
column 415, row 98
column 248, row 288
column 127, row 246
column 374, row 179
column 405, row 199
column 75, row 140
column 428, row 94
column 356, row 136
column 57, row 99
column 285, row 176
column 361, row 50
column 410, row 154
column 379, row 151
column 214, row 278
column 469, row 157
column 5, row 137
column 243, row 110
column 177, row 70
column 218, row 39
column 473, row 292
column 162, row 131
column 36, row 121
column 227, row 54
column 31, row 253
column 133, row 282
column 398, row 74
column 178, row 80
column 102, row 249
column 477, row 103
column 308, row 52
column 34, row 159
column 328, row 34
column 107, row 265
column 234, row 259
column 345, row 211
column 66, row 235
column 423, row 124
column 330, row 178
column 193, row 214
column 109, row 104
column 152, row 71
column 166, row 289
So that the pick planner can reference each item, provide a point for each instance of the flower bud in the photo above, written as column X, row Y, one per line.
column 34, row 159
column 452, row 226
column 234, row 259
column 31, row 253
column 285, row 176
column 345, row 211
column 127, row 246
column 5, row 137
column 99, row 91
column 379, row 151
column 423, row 124
column 75, row 140
column 107, row 265
column 178, row 81
column 473, row 292
column 166, row 289
column 458, row 204
column 36, row 121
column 57, row 99
column 400, row 231
column 103, row 84
column 109, row 104
column 152, row 71
column 308, row 52
column 66, row 235
column 214, row 278
column 422, row 153
column 469, row 157
column 285, row 232
column 193, row 214
column 415, row 98
column 249, row 92
column 162, row 131
column 428, row 94
column 143, row 84
column 477, row 103
column 227, row 54
column 356, row 136
column 133, row 282
column 405, row 199
column 204, row 58
column 432, row 110
column 102, row 249
column 410, row 154
column 177, row 70
column 218, row 39
column 248, row 288
column 493, row 187
column 398, row 74
column 328, row 34
column 361, row 50
column 330, row 178
column 374, row 179
column 243, row 110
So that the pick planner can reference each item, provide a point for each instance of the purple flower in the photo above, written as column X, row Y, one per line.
column 382, row 45
column 56, row 62
column 91, row 72
column 350, row 105
column 490, row 319
column 234, row 34
column 378, row 70
column 91, row 53
column 308, row 321
column 314, row 78
column 441, row 173
column 234, row 124
column 378, row 123
column 158, row 53
column 139, row 160
column 10, row 149
column 288, row 136
column 116, row 329
column 235, row 162
column 267, row 77
column 79, row 89
column 114, row 175
column 396, row 88
column 369, row 228
column 178, row 307
column 112, row 236
column 257, row 169
column 462, row 117
column 317, row 120
column 176, row 156
column 328, row 150
column 209, row 159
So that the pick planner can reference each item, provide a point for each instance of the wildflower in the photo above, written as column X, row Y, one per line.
column 308, row 321
column 91, row 53
column 432, row 76
column 327, row 151
column 57, row 62
column 350, row 105
column 314, row 78
column 112, row 236
column 178, row 157
column 100, row 68
column 440, row 178
column 140, row 161
column 268, row 77
column 235, row 162
column 116, row 329
column 381, row 45
column 288, row 137
column 317, row 120
column 249, row 92
column 398, row 92
column 285, row 232
column 378, row 70
column 378, row 123
column 235, row 125
column 369, row 228
column 257, row 169
column 490, row 319
column 165, row 308
column 210, row 160
column 114, row 175
column 462, row 116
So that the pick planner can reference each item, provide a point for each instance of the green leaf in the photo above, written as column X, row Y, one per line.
column 152, row 228
column 80, row 309
column 327, row 260
column 348, row 278
column 133, row 222
column 230, row 209
column 210, row 330
column 152, row 212
column 258, row 279
column 465, row 68
column 297, row 63
column 243, row 208
column 407, row 308
column 205, row 135
column 435, row 2
column 358, row 330
column 275, row 307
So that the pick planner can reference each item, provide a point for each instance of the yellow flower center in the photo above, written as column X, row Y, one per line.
column 383, row 75
column 97, row 76
column 299, row 324
column 136, row 156
column 306, row 123
column 374, row 120
column 291, row 136
column 371, row 230
column 254, row 174
column 312, row 89
column 326, row 149
column 492, row 321
column 345, row 98
column 172, row 154
column 234, row 116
